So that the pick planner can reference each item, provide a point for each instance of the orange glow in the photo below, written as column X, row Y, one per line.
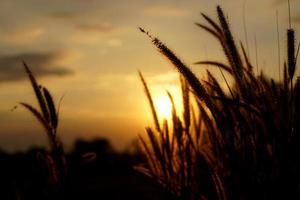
column 163, row 107
column 162, row 102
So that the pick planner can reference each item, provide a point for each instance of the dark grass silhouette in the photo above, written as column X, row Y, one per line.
column 48, row 116
column 244, row 144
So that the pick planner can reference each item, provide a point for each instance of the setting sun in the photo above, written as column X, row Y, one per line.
column 163, row 107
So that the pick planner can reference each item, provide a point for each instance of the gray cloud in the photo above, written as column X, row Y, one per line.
column 42, row 64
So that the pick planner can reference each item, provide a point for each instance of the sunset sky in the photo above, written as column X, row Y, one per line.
column 90, row 52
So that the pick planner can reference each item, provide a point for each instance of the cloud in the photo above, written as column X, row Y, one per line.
column 97, row 34
column 167, row 78
column 42, row 64
column 296, row 19
column 22, row 35
column 114, row 42
column 102, row 27
column 165, row 11
column 64, row 15
column 280, row 2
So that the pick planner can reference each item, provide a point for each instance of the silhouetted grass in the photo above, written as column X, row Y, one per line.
column 245, row 144
column 48, row 117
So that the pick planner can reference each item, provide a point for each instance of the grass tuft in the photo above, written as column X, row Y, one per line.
column 241, row 144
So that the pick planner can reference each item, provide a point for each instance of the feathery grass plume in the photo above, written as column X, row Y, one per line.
column 217, row 64
column 37, row 92
column 247, row 143
column 214, row 85
column 291, row 52
column 231, row 49
column 245, row 27
column 256, row 54
column 151, row 168
column 297, row 54
column 227, row 42
column 51, row 106
column 186, row 102
column 212, row 23
column 247, row 61
column 149, row 97
column 182, row 68
column 285, row 78
column 278, row 46
column 220, row 66
column 47, row 115
column 290, row 18
column 210, row 30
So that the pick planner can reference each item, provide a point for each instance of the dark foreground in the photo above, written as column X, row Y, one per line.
column 109, row 175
